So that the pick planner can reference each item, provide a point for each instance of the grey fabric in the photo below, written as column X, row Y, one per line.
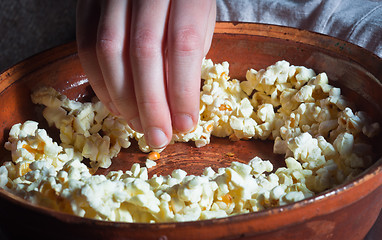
column 359, row 22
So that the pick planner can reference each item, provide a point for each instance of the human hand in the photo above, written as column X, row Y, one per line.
column 143, row 60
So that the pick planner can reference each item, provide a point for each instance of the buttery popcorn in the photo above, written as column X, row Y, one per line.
column 324, row 142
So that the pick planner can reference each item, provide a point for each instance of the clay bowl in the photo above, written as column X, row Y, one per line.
column 345, row 212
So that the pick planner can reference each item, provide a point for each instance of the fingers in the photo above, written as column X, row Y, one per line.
column 145, row 62
column 147, row 39
column 113, row 57
column 210, row 28
column 188, row 37
column 88, row 12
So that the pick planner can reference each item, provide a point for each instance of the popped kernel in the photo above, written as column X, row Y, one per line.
column 310, row 122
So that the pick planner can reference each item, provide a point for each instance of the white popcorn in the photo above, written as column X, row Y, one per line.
column 96, row 148
column 304, row 94
column 280, row 146
column 266, row 113
column 54, row 115
column 209, row 70
column 294, row 196
column 326, row 126
column 309, row 120
column 277, row 192
column 243, row 127
column 178, row 174
column 326, row 148
column 344, row 143
column 48, row 97
column 3, row 177
column 293, row 164
column 306, row 149
column 301, row 76
column 287, row 100
column 150, row 163
column 321, row 80
column 259, row 166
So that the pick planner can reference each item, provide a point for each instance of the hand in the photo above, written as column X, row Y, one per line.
column 143, row 60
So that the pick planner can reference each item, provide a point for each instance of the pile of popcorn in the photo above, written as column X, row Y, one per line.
column 324, row 142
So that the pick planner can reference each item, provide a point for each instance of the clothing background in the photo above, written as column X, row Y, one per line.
column 28, row 27
column 356, row 21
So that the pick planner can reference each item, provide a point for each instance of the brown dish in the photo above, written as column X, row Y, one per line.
column 345, row 212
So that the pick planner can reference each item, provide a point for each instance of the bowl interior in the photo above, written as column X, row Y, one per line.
column 262, row 46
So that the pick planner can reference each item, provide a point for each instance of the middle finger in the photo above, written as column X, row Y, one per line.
column 147, row 39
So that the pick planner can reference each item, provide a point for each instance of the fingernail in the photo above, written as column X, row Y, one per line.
column 183, row 123
column 113, row 109
column 156, row 138
column 136, row 125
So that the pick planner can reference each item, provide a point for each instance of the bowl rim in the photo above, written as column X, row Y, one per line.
column 372, row 175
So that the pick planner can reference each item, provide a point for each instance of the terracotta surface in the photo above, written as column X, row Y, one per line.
column 346, row 212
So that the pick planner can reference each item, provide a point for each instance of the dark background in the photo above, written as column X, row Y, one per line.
column 28, row 27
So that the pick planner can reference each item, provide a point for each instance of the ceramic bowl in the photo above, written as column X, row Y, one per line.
column 345, row 212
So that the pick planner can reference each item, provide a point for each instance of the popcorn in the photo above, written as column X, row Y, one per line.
column 243, row 127
column 280, row 146
column 300, row 76
column 304, row 94
column 260, row 166
column 3, row 177
column 311, row 123
column 150, row 163
column 97, row 150
column 326, row 126
column 294, row 196
column 344, row 143
column 293, row 164
column 277, row 193
column 266, row 113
